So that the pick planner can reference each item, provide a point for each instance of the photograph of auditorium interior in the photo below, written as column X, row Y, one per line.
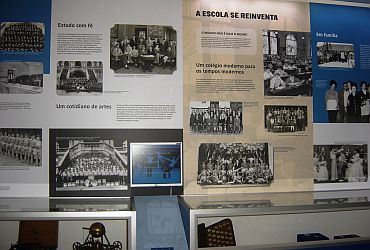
column 139, row 49
column 336, row 55
column 287, row 63
column 340, row 163
column 20, row 147
column 235, row 163
column 79, row 78
column 285, row 119
column 22, row 36
column 216, row 117
column 94, row 163
column 21, row 77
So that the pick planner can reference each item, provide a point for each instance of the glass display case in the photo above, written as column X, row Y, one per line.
column 75, row 220
column 277, row 220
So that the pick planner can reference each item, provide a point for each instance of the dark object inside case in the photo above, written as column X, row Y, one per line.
column 220, row 234
column 37, row 235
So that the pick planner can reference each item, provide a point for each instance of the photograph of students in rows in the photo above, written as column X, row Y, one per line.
column 340, row 163
column 234, row 163
column 138, row 49
column 22, row 36
column 349, row 105
column 20, row 147
column 216, row 117
column 287, row 63
column 282, row 119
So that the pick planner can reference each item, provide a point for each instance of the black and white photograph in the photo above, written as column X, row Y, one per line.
column 287, row 63
column 349, row 103
column 340, row 163
column 92, row 161
column 22, row 36
column 79, row 78
column 235, row 164
column 235, row 204
column 143, row 49
column 20, row 147
column 216, row 118
column 335, row 55
column 285, row 119
column 21, row 77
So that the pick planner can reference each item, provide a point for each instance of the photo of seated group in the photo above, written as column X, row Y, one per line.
column 285, row 119
column 340, row 163
column 20, row 147
column 91, row 161
column 351, row 104
column 139, row 49
column 216, row 117
column 21, row 77
column 79, row 78
column 235, row 164
column 336, row 55
column 156, row 164
column 287, row 63
column 22, row 36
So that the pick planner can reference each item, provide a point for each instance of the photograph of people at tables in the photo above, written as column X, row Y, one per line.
column 140, row 49
column 287, row 63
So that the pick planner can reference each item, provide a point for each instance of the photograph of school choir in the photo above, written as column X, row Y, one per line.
column 283, row 119
column 22, row 36
column 336, row 55
column 340, row 163
column 138, row 49
column 351, row 104
column 79, row 78
column 216, row 117
column 21, row 77
column 287, row 63
column 94, row 163
column 20, row 147
column 235, row 163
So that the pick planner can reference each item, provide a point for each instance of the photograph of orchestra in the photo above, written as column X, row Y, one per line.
column 21, row 77
column 79, row 78
column 336, row 55
column 287, row 63
column 216, row 118
column 139, row 49
column 235, row 164
column 340, row 163
column 22, row 36
column 20, row 147
column 156, row 164
column 94, row 163
column 285, row 119
column 351, row 104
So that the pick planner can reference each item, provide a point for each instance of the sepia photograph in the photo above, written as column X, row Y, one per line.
column 79, row 78
column 340, row 163
column 21, row 77
column 89, row 160
column 22, row 36
column 235, row 164
column 216, row 118
column 143, row 49
column 285, row 119
column 20, row 147
column 335, row 55
column 287, row 63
